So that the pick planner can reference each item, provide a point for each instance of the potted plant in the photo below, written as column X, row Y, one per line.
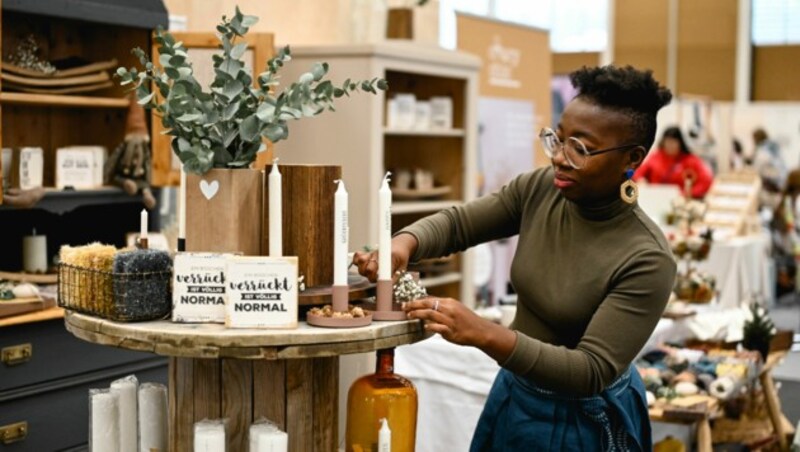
column 218, row 130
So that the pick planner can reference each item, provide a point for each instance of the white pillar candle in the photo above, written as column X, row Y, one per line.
column 341, row 233
column 104, row 425
column 209, row 436
column 182, row 205
column 127, row 392
column 275, row 211
column 265, row 437
column 143, row 224
column 34, row 253
column 384, row 437
column 153, row 432
column 385, row 231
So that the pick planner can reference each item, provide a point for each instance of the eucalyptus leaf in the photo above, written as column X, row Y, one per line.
column 232, row 89
column 238, row 50
column 144, row 100
column 249, row 128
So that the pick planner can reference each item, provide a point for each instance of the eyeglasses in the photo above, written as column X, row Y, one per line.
column 575, row 151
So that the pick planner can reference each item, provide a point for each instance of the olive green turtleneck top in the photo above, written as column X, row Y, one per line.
column 591, row 283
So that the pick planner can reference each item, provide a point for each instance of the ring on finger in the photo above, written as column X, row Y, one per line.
column 436, row 305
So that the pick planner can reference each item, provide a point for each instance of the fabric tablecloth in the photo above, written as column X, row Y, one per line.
column 741, row 266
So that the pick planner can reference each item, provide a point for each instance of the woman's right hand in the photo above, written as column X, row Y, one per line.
column 403, row 247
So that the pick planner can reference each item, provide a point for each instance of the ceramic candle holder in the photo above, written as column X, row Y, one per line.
column 387, row 309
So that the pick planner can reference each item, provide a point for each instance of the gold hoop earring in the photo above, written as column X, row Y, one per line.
column 629, row 191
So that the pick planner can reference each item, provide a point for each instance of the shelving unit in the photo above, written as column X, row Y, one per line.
column 62, row 201
column 356, row 137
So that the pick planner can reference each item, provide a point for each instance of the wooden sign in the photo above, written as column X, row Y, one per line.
column 261, row 292
column 80, row 166
column 25, row 167
column 198, row 290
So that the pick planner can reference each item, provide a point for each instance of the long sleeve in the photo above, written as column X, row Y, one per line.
column 617, row 331
column 704, row 178
column 488, row 218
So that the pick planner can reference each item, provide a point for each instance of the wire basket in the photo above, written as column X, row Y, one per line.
column 122, row 297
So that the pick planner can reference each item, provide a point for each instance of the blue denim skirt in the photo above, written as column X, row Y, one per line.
column 519, row 416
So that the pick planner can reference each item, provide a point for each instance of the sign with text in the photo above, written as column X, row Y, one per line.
column 198, row 293
column 261, row 292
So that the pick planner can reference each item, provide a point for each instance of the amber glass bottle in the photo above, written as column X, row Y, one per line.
column 383, row 394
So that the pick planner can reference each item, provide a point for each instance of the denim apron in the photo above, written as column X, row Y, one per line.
column 519, row 416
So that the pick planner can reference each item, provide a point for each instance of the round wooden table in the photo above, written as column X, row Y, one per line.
column 290, row 377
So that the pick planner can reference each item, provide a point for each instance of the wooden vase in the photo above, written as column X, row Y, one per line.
column 307, row 218
column 223, row 211
column 400, row 23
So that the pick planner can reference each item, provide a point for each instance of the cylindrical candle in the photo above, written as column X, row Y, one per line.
column 265, row 437
column 153, row 432
column 143, row 224
column 209, row 437
column 385, row 231
column 182, row 211
column 104, row 425
column 34, row 253
column 127, row 389
column 275, row 211
column 341, row 231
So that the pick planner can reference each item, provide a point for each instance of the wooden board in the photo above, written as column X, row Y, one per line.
column 72, row 72
column 33, row 278
column 98, row 77
column 299, row 403
column 215, row 341
column 325, row 401
column 269, row 379
column 206, row 377
column 66, row 90
column 181, row 404
column 237, row 401
column 40, row 316
column 19, row 306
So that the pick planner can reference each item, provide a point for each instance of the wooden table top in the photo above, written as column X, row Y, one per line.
column 215, row 341
column 32, row 317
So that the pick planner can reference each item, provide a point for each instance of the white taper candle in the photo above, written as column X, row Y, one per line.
column 341, row 232
column 275, row 211
column 385, row 231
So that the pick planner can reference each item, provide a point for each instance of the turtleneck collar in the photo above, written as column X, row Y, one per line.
column 602, row 212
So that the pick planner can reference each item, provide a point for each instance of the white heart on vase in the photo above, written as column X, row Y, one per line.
column 209, row 189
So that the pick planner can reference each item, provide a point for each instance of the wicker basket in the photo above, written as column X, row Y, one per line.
column 122, row 297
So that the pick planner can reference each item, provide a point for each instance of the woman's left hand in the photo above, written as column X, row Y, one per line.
column 450, row 318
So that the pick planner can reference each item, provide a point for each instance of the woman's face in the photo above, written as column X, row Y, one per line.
column 672, row 146
column 598, row 128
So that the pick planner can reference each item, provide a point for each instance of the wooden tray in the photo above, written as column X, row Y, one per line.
column 24, row 305
column 401, row 193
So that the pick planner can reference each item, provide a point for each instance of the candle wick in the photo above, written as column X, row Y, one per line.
column 387, row 176
column 275, row 161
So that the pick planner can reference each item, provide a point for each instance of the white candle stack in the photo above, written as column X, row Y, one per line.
column 209, row 436
column 104, row 425
column 267, row 437
column 341, row 232
column 152, row 417
column 385, row 231
column 275, row 211
column 34, row 253
column 126, row 390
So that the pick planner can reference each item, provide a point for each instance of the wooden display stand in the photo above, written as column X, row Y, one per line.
column 289, row 377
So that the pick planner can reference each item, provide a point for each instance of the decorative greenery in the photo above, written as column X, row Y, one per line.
column 758, row 331
column 223, row 127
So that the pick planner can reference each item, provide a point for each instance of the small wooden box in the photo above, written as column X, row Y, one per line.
column 261, row 292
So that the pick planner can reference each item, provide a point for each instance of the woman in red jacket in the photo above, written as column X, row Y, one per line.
column 674, row 163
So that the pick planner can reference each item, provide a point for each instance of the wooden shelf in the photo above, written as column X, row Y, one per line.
column 422, row 206
column 441, row 280
column 424, row 133
column 62, row 201
column 62, row 100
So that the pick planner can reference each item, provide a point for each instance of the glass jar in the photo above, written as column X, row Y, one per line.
column 383, row 394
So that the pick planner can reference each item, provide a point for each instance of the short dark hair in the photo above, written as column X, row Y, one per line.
column 628, row 90
column 675, row 133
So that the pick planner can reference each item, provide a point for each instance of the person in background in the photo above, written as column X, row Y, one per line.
column 673, row 163
column 770, row 166
column 785, row 239
column 737, row 161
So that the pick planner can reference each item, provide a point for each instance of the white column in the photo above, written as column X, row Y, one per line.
column 744, row 52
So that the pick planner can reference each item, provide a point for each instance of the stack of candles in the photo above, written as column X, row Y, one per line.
column 128, row 418
column 267, row 437
column 209, row 436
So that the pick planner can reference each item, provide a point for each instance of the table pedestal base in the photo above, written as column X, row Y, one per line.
column 301, row 396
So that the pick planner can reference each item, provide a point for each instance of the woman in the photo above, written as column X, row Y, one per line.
column 673, row 163
column 592, row 273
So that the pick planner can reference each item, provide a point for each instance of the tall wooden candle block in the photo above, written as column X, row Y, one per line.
column 308, row 201
column 224, row 211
